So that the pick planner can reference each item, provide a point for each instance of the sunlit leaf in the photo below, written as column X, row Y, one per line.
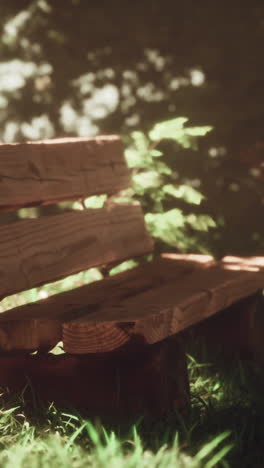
column 155, row 153
column 198, row 131
column 174, row 129
column 184, row 192
column 187, row 138
column 165, row 225
column 200, row 222
column 140, row 140
column 127, row 265
column 147, row 179
column 136, row 159
column 167, row 129
column 96, row 201
column 162, row 168
column 138, row 154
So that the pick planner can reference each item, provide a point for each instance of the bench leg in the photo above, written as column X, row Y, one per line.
column 237, row 331
column 150, row 380
column 159, row 383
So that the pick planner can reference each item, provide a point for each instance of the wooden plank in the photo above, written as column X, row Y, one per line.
column 34, row 252
column 56, row 170
column 39, row 325
column 162, row 311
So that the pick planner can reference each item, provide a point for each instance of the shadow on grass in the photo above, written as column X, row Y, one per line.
column 226, row 398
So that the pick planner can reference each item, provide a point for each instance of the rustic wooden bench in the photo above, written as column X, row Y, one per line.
column 121, row 335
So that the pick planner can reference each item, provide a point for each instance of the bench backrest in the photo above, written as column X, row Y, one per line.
column 44, row 249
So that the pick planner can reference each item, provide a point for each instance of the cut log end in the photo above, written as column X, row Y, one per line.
column 93, row 337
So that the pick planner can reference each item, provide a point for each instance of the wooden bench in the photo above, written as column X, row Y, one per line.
column 121, row 335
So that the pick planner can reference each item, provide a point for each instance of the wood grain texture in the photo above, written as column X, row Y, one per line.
column 39, row 325
column 56, row 170
column 162, row 311
column 149, row 302
column 34, row 252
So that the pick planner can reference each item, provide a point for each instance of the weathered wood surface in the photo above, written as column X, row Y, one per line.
column 39, row 325
column 145, row 304
column 56, row 170
column 146, row 380
column 34, row 252
column 163, row 311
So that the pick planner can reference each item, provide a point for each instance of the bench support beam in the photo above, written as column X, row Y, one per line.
column 148, row 380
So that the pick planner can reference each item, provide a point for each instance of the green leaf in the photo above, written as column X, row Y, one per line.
column 147, row 179
column 198, row 131
column 167, row 129
column 92, row 433
column 155, row 153
column 219, row 456
column 184, row 192
column 200, row 222
column 140, row 141
column 187, row 138
column 138, row 154
column 172, row 218
column 135, row 159
column 95, row 201
column 75, row 435
column 165, row 225
column 127, row 265
column 174, row 129
column 208, row 448
column 162, row 168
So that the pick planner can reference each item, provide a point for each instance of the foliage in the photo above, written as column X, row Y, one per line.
column 155, row 187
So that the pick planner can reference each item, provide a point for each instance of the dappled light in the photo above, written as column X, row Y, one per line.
column 196, row 258
column 241, row 267
column 244, row 264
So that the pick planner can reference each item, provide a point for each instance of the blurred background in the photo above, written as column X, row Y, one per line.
column 86, row 67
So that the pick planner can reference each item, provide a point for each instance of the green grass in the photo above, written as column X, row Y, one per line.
column 56, row 438
column 225, row 428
